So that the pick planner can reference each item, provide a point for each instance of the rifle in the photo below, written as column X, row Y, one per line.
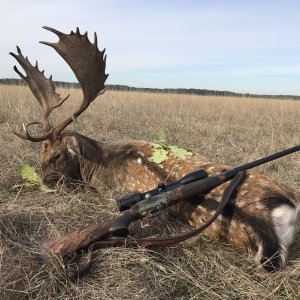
column 114, row 233
column 126, row 202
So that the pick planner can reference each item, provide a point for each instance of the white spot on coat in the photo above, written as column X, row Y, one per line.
column 243, row 193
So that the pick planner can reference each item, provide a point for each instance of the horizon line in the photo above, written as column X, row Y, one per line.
column 180, row 90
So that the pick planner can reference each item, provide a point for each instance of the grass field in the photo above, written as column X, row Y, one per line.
column 228, row 130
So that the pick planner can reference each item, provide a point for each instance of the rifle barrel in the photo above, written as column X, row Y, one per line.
column 250, row 165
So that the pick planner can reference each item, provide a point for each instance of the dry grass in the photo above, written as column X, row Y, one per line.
column 229, row 130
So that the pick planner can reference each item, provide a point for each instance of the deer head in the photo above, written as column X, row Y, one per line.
column 60, row 150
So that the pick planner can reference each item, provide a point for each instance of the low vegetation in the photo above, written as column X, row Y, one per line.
column 182, row 91
column 224, row 129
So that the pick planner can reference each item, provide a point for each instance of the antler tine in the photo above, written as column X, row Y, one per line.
column 31, row 138
column 43, row 90
column 96, row 40
column 55, row 31
column 87, row 63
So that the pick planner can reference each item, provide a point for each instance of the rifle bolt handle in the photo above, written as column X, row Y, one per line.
column 148, row 196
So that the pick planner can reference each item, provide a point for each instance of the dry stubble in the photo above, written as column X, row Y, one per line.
column 228, row 130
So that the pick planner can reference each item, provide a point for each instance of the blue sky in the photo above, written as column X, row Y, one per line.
column 241, row 46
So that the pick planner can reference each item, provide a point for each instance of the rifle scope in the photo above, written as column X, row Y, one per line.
column 126, row 202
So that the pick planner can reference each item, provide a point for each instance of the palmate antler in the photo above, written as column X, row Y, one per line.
column 88, row 65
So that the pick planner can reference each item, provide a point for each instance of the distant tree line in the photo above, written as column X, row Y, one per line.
column 181, row 91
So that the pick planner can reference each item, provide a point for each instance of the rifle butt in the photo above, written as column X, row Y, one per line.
column 69, row 244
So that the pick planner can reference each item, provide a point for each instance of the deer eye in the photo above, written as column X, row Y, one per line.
column 56, row 156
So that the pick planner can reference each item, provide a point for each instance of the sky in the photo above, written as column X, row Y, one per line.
column 234, row 45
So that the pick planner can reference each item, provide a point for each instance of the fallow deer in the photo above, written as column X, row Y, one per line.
column 264, row 217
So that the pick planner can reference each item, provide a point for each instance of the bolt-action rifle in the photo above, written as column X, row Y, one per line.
column 114, row 233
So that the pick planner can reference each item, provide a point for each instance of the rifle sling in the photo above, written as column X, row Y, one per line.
column 72, row 270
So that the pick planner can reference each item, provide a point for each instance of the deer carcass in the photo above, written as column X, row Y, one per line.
column 264, row 218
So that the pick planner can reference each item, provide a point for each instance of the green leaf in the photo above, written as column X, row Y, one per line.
column 159, row 155
column 157, row 146
column 162, row 137
column 29, row 174
column 179, row 152
column 45, row 189
column 161, row 149
column 32, row 179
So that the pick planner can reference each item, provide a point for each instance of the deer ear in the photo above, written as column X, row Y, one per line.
column 73, row 146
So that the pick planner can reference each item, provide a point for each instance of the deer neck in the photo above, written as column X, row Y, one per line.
column 101, row 164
